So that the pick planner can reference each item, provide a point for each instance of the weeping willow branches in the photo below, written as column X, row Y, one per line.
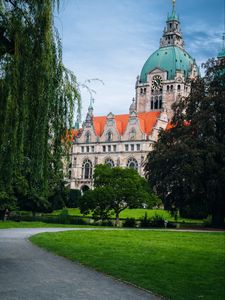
column 37, row 99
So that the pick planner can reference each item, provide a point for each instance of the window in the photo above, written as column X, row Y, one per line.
column 178, row 87
column 126, row 147
column 109, row 136
column 168, row 87
column 132, row 147
column 88, row 137
column 132, row 134
column 82, row 149
column 152, row 103
column 171, row 87
column 114, row 148
column 109, row 148
column 92, row 149
column 87, row 169
column 87, row 148
column 104, row 149
column 132, row 163
column 160, row 102
column 109, row 162
column 138, row 147
column 156, row 102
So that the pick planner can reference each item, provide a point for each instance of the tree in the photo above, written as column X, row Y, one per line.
column 187, row 165
column 115, row 190
column 37, row 98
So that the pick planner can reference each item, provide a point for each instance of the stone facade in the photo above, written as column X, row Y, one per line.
column 124, row 140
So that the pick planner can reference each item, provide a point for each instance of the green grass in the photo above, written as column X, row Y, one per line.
column 135, row 213
column 12, row 224
column 176, row 265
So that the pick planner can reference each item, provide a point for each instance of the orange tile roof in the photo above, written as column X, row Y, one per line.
column 99, row 124
column 147, row 121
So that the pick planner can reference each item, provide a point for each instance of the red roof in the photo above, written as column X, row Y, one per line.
column 147, row 121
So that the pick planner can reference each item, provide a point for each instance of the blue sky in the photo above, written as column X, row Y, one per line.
column 112, row 39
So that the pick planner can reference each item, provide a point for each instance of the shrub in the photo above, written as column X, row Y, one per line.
column 145, row 222
column 130, row 222
column 157, row 221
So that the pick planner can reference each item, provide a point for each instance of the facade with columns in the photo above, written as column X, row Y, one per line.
column 125, row 140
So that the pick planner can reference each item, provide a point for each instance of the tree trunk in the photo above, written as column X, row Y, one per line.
column 117, row 219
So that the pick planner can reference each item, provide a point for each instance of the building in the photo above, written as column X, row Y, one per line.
column 124, row 140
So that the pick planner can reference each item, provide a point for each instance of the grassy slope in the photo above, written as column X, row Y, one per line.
column 135, row 213
column 174, row 264
column 11, row 224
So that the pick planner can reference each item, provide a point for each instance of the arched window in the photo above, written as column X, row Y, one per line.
column 152, row 103
column 109, row 162
column 88, row 137
column 178, row 87
column 109, row 136
column 156, row 103
column 87, row 169
column 132, row 134
column 132, row 164
column 160, row 102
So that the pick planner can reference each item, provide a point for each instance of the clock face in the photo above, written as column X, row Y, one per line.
column 156, row 82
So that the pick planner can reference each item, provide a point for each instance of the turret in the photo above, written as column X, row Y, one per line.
column 172, row 35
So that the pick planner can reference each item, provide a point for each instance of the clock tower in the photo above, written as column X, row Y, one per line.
column 164, row 76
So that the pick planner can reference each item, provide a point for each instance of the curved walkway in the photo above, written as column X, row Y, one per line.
column 30, row 273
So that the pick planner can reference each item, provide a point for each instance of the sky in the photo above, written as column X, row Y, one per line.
column 110, row 40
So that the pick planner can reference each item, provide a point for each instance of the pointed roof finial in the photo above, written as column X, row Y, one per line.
column 221, row 54
column 174, row 6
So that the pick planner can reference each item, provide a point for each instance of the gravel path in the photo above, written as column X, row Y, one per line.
column 30, row 273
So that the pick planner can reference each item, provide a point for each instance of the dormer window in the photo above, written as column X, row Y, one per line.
column 88, row 137
column 109, row 136
column 132, row 134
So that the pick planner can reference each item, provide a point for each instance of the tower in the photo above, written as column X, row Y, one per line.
column 163, row 79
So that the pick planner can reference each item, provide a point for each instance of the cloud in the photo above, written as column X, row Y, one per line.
column 112, row 39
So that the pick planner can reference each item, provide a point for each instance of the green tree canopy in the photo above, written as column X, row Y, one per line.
column 37, row 99
column 187, row 165
column 115, row 190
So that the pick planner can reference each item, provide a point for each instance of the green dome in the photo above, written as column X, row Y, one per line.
column 170, row 59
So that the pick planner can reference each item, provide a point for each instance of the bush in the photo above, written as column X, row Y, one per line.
column 130, row 222
column 145, row 222
column 155, row 221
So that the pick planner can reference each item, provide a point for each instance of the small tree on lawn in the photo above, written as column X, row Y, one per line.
column 115, row 190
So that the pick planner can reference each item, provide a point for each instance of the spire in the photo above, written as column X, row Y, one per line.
column 172, row 35
column 174, row 14
column 133, row 106
column 174, row 6
column 221, row 54
column 89, row 117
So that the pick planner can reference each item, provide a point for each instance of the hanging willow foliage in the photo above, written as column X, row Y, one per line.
column 37, row 98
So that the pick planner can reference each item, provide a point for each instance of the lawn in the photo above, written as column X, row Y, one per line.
column 135, row 213
column 12, row 224
column 176, row 265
